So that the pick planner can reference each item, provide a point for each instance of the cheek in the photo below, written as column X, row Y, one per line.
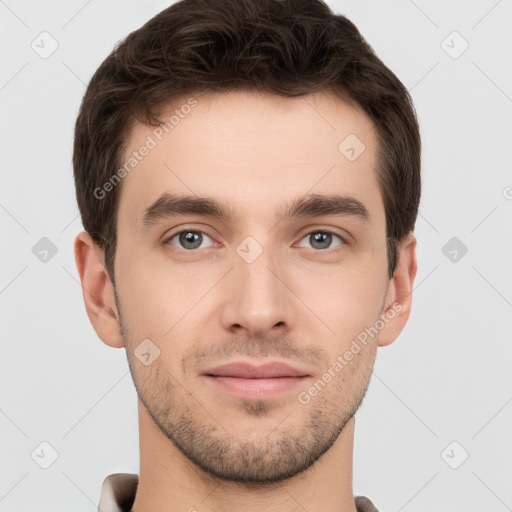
column 169, row 308
column 347, row 300
column 150, row 292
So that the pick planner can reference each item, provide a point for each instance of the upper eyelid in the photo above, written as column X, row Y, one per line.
column 343, row 238
column 186, row 229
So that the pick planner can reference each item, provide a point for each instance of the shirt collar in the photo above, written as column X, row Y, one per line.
column 118, row 494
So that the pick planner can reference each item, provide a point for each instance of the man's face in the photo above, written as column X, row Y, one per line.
column 258, row 287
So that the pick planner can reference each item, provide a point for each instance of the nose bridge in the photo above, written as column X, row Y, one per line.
column 258, row 274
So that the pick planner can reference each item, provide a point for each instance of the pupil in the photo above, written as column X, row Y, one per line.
column 322, row 238
column 190, row 237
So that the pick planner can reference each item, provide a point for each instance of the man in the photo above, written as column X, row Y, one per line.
column 248, row 176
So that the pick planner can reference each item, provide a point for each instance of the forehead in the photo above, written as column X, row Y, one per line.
column 252, row 151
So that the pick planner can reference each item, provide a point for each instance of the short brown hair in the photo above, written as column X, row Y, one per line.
column 287, row 47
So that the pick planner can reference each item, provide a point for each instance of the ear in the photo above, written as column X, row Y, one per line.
column 399, row 296
column 97, row 290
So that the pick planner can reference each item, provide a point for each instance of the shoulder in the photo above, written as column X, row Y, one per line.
column 118, row 492
column 363, row 504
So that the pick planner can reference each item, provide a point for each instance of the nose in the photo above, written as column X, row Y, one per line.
column 257, row 300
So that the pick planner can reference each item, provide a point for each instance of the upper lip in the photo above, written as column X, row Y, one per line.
column 247, row 370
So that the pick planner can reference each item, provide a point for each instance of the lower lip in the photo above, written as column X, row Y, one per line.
column 255, row 388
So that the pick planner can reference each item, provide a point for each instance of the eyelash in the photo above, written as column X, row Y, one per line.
column 343, row 240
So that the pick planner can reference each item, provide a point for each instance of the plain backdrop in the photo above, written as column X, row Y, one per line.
column 434, row 432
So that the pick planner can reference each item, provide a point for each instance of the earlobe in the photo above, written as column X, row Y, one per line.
column 97, row 290
column 399, row 295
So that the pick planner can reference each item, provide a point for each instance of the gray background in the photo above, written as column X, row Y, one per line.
column 446, row 379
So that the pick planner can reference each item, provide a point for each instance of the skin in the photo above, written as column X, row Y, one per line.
column 202, row 447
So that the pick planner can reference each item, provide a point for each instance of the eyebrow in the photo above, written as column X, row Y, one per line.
column 312, row 205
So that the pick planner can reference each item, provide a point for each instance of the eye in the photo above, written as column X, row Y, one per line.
column 322, row 239
column 189, row 239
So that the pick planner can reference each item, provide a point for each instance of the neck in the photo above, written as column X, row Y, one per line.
column 171, row 482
